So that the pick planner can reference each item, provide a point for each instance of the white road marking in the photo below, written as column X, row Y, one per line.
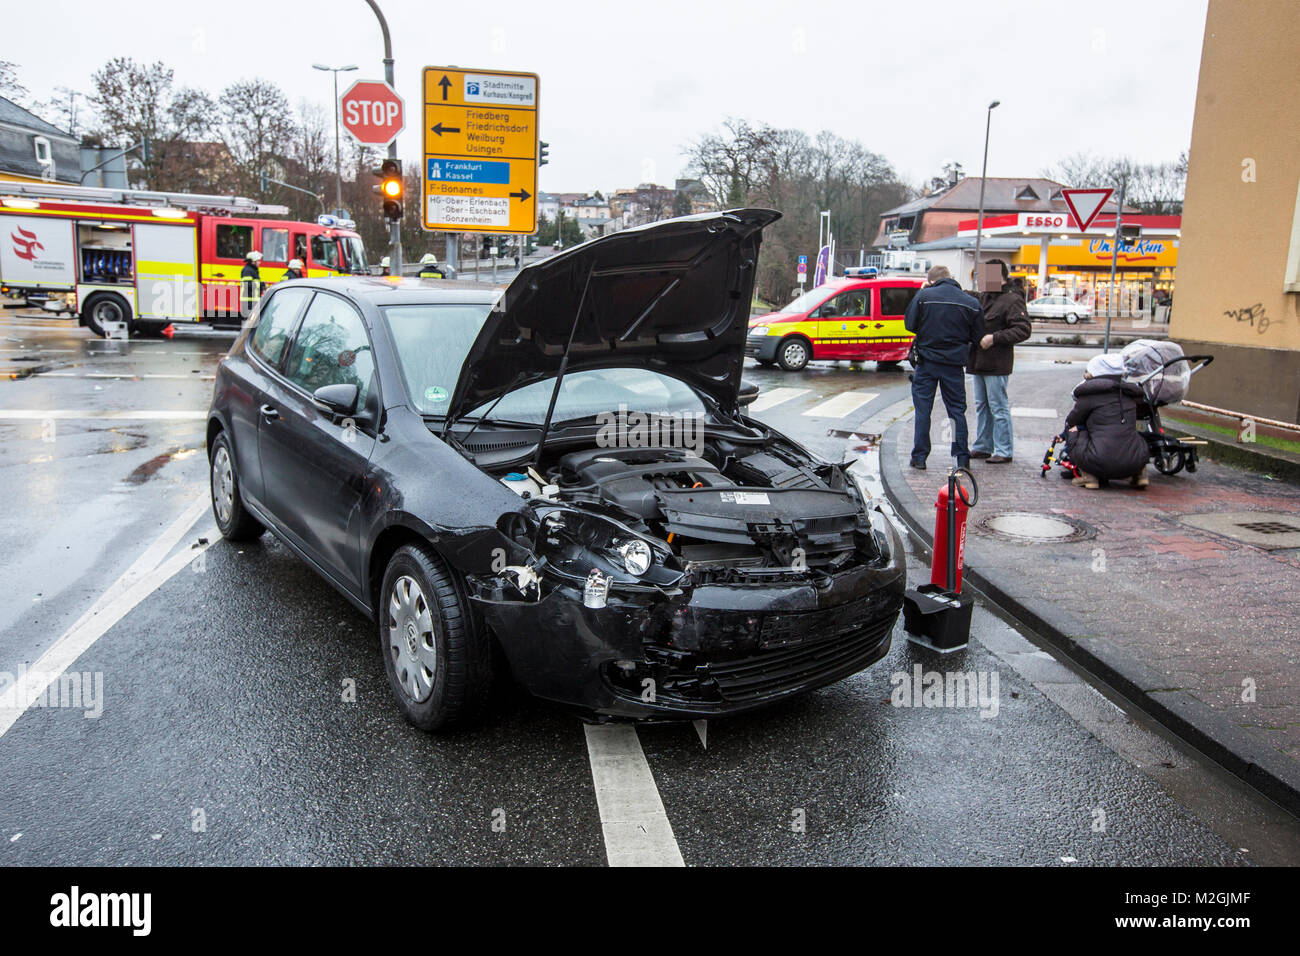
column 126, row 375
column 632, row 817
column 1034, row 412
column 144, row 577
column 776, row 396
column 147, row 415
column 842, row 404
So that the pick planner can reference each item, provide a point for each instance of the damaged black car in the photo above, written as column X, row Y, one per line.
column 557, row 480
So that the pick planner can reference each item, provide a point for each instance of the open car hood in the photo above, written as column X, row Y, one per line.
column 671, row 296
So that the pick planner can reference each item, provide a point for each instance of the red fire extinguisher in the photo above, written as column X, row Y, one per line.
column 950, row 530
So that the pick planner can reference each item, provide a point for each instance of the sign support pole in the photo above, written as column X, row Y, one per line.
column 394, row 228
column 1114, row 261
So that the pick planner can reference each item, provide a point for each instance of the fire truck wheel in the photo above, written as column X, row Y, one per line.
column 104, row 309
column 233, row 520
column 793, row 353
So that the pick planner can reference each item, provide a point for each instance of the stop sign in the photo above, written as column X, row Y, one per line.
column 372, row 112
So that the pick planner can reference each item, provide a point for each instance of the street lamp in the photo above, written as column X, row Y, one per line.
column 338, row 156
column 984, row 172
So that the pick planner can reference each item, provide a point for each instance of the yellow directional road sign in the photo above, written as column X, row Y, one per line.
column 480, row 150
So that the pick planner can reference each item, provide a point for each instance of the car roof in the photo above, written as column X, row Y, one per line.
column 844, row 282
column 385, row 290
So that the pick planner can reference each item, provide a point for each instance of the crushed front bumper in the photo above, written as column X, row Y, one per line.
column 710, row 650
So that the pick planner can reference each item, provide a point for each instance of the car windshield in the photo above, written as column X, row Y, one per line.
column 809, row 300
column 594, row 392
column 355, row 253
column 432, row 342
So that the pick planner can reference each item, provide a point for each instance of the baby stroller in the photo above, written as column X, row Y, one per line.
column 1163, row 372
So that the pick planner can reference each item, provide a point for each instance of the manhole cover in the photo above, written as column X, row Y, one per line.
column 1029, row 527
column 1269, row 530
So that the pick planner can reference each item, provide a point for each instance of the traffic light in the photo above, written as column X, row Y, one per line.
column 542, row 160
column 391, row 188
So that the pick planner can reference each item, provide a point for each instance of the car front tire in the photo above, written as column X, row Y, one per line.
column 233, row 520
column 437, row 655
column 794, row 354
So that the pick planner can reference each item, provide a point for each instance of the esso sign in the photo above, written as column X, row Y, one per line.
column 1047, row 220
column 372, row 112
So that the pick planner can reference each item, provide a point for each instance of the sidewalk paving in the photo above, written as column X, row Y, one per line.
column 1182, row 619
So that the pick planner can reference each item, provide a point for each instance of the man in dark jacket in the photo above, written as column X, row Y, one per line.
column 1006, row 323
column 1101, row 430
column 947, row 323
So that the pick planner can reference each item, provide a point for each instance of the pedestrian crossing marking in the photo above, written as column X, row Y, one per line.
column 843, row 404
column 776, row 396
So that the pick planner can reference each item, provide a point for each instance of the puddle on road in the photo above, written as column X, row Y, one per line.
column 142, row 473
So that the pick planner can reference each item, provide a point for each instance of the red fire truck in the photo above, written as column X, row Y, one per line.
column 147, row 260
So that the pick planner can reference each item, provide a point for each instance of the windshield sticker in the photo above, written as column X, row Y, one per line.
column 435, row 394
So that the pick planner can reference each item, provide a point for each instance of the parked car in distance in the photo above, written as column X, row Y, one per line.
column 1059, row 307
column 844, row 318
column 557, row 479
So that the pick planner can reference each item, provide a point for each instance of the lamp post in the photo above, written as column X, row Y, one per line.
column 984, row 172
column 338, row 156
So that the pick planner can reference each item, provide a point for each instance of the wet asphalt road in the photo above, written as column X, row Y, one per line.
column 226, row 737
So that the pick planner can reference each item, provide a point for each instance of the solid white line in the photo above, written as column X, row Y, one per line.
column 126, row 375
column 1034, row 413
column 76, row 640
column 37, row 415
column 632, row 817
column 776, row 396
column 843, row 404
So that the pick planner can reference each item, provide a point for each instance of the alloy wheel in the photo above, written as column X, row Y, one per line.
column 223, row 485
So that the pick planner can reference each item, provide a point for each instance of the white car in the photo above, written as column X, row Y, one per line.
column 1059, row 307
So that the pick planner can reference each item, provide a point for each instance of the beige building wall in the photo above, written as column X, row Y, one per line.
column 1240, row 215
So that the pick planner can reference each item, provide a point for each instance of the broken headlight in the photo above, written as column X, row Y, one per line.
column 575, row 543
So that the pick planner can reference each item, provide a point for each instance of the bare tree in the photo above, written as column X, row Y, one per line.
column 1153, row 188
column 258, row 129
column 728, row 161
column 10, row 88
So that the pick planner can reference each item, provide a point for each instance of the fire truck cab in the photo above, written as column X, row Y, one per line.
column 854, row 318
column 129, row 261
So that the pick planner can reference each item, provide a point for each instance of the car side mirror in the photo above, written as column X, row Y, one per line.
column 748, row 392
column 337, row 399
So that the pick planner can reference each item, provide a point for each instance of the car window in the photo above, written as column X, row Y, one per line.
column 275, row 323
column 275, row 244
column 599, row 391
column 432, row 342
column 854, row 303
column 894, row 301
column 331, row 348
column 805, row 302
column 234, row 241
column 325, row 252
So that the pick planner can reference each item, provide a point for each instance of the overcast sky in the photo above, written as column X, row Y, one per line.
column 625, row 86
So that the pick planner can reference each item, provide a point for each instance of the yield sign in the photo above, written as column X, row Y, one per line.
column 1085, row 204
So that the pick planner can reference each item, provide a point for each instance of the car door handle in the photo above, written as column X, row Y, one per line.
column 269, row 413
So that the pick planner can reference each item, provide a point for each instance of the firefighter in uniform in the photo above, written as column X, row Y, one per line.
column 429, row 267
column 250, row 284
column 384, row 268
column 295, row 269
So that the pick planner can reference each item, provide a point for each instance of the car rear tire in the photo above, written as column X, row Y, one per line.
column 233, row 520
column 793, row 354
column 437, row 655
column 1071, row 319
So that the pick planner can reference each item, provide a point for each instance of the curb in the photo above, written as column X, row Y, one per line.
column 1267, row 771
column 1233, row 453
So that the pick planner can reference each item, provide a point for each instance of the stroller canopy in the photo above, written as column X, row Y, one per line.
column 1143, row 361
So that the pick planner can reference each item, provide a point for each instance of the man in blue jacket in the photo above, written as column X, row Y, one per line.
column 947, row 323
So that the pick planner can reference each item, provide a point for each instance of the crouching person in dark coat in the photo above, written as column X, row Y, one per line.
column 1101, row 430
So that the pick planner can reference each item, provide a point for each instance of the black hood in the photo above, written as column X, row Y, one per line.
column 671, row 296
